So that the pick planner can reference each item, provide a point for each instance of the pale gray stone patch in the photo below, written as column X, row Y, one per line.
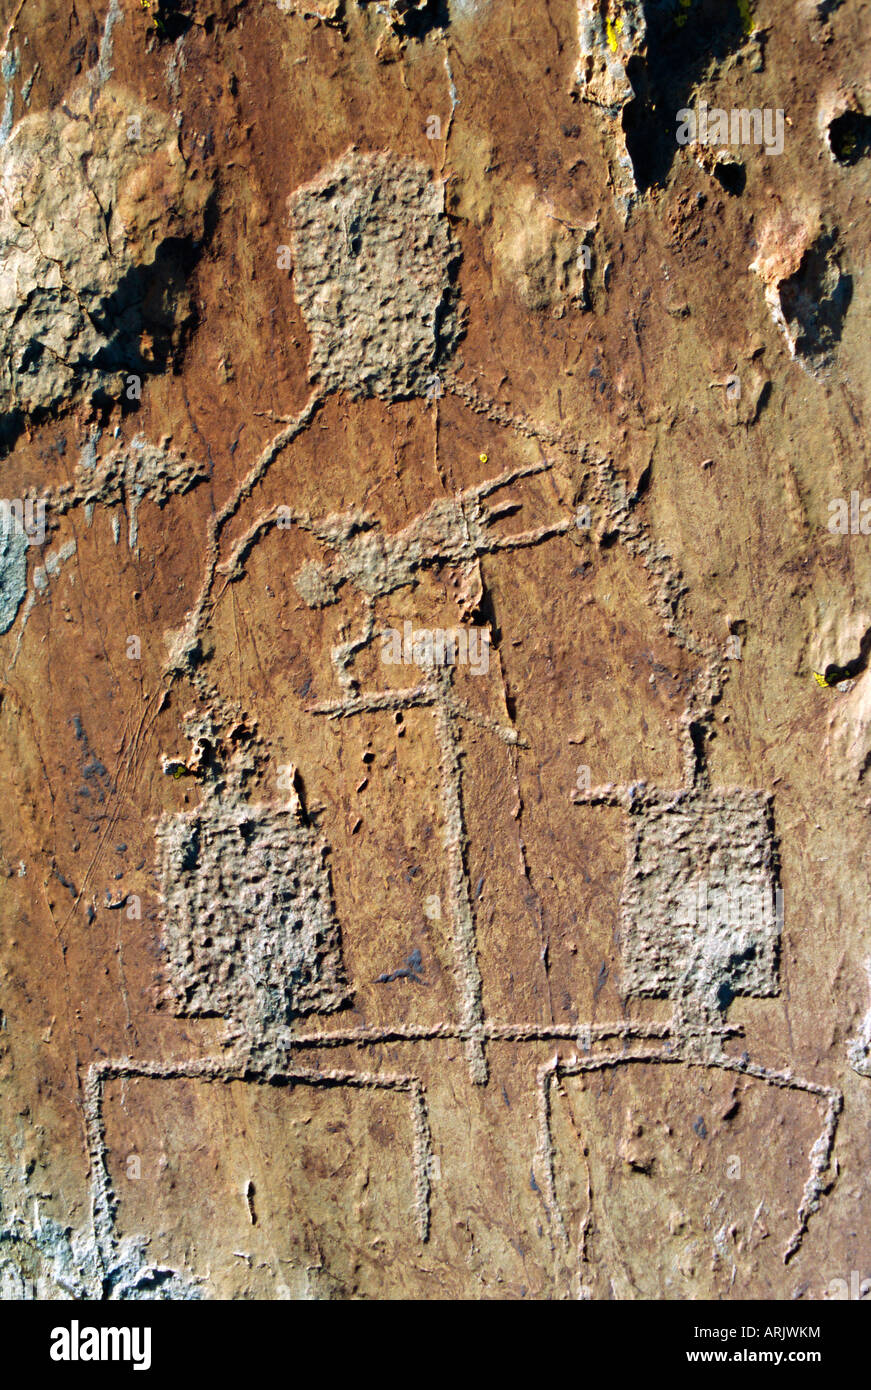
column 373, row 260
column 698, row 909
column 249, row 925
column 44, row 1261
column 9, row 65
column 13, row 572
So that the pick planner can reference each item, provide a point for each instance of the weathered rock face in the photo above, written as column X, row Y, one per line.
column 435, row 729
column 45, row 1260
column 609, row 37
column 96, row 203
column 808, row 292
column 406, row 13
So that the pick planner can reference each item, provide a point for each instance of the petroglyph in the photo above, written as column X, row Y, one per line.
column 665, row 951
column 373, row 263
column 454, row 531
column 698, row 947
column 130, row 474
column 225, row 1069
column 249, row 924
column 515, row 273
column 819, row 1158
column 436, row 693
column 698, row 920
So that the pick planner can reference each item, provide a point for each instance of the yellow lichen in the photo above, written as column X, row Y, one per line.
column 612, row 29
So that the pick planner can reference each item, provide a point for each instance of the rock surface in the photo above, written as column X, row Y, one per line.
column 338, row 336
column 95, row 199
